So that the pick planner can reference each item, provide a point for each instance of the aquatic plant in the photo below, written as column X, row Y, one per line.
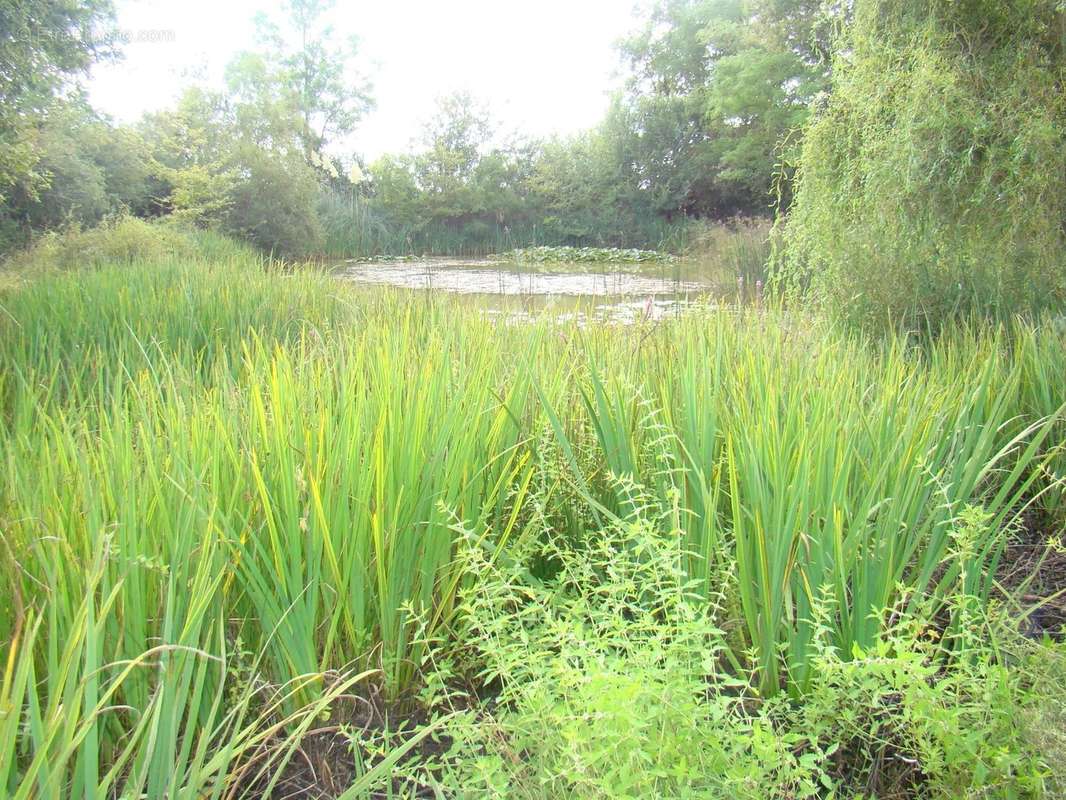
column 228, row 485
column 584, row 255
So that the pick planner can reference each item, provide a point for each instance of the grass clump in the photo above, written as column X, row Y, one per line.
column 739, row 248
column 124, row 240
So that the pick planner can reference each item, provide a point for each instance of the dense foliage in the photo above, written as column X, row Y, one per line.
column 268, row 533
column 930, row 183
column 43, row 44
column 714, row 87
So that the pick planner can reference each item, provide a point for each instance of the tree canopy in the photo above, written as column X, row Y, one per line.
column 43, row 45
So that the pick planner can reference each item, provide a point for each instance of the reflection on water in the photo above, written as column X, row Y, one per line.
column 604, row 292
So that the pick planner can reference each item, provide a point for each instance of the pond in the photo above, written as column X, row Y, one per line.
column 617, row 292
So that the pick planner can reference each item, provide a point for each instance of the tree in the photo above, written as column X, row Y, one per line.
column 455, row 139
column 578, row 194
column 214, row 171
column 87, row 167
column 273, row 203
column 715, row 87
column 261, row 106
column 662, row 111
column 930, row 182
column 43, row 46
column 192, row 151
column 395, row 191
column 328, row 95
column 764, row 77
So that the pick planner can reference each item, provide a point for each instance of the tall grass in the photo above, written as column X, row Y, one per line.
column 820, row 470
column 232, row 494
column 232, row 475
column 738, row 248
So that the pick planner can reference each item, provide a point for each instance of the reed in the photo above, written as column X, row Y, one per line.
column 233, row 493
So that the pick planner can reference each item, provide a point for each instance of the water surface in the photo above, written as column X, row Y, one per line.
column 618, row 292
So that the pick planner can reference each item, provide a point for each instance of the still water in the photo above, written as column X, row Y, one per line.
column 616, row 292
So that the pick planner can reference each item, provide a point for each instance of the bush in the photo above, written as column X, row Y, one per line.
column 274, row 205
column 86, row 170
column 614, row 683
column 122, row 240
column 930, row 184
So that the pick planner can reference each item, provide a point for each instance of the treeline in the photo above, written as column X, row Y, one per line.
column 700, row 131
column 919, row 149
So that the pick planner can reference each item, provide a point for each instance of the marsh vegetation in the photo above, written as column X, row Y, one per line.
column 787, row 522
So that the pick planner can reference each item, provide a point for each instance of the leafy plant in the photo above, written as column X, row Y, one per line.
column 927, row 186
column 582, row 255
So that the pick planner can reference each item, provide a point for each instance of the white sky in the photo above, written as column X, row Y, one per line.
column 542, row 66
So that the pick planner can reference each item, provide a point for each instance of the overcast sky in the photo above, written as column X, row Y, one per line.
column 542, row 66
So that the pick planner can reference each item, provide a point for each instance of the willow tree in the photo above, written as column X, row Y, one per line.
column 931, row 180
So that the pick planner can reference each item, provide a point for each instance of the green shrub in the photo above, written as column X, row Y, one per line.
column 614, row 683
column 273, row 205
column 124, row 240
column 610, row 680
column 930, row 182
column 121, row 240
